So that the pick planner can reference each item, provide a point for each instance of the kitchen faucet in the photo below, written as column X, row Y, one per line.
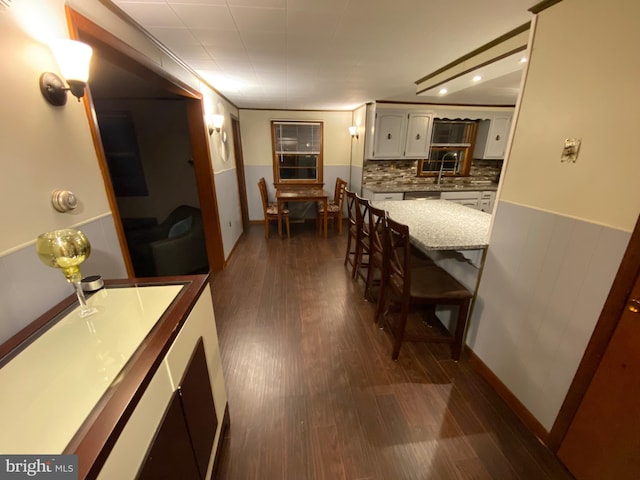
column 440, row 173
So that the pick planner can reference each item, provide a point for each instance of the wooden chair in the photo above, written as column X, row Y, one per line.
column 362, row 243
column 377, row 219
column 270, row 210
column 352, row 205
column 335, row 207
column 419, row 284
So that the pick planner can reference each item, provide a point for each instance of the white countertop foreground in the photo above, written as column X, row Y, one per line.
column 49, row 388
column 440, row 224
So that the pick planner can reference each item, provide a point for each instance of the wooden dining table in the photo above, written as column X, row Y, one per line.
column 301, row 194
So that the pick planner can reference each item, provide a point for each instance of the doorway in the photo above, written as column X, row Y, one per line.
column 148, row 81
column 242, row 184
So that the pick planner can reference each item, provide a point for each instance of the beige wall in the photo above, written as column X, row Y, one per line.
column 256, row 134
column 583, row 75
column 560, row 229
column 43, row 148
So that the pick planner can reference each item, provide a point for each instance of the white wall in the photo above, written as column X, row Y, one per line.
column 257, row 149
column 560, row 229
column 43, row 147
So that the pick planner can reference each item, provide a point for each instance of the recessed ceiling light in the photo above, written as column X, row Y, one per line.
column 523, row 60
column 443, row 91
column 476, row 78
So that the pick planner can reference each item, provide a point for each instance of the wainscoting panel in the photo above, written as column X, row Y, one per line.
column 545, row 280
column 29, row 288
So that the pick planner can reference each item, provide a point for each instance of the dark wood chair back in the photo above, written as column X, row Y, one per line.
column 419, row 283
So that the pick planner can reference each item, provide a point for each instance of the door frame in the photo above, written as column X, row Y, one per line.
column 118, row 52
column 242, row 183
column 608, row 321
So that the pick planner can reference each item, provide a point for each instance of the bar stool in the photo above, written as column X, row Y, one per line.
column 377, row 228
column 418, row 284
column 350, row 255
column 363, row 241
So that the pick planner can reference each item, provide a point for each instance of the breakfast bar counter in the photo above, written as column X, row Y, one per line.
column 440, row 224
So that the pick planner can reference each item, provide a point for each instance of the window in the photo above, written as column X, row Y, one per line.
column 452, row 144
column 297, row 152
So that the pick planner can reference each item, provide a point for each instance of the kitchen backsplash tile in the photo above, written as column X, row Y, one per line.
column 379, row 172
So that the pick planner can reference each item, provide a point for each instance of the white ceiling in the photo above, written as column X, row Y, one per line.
column 330, row 54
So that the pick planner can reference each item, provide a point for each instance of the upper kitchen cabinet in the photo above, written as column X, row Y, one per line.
column 491, row 141
column 418, row 135
column 390, row 132
column 398, row 134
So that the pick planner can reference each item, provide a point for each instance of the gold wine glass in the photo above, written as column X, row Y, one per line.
column 66, row 249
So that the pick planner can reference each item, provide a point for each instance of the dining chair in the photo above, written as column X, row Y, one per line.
column 362, row 243
column 416, row 284
column 270, row 210
column 335, row 207
column 352, row 238
column 377, row 219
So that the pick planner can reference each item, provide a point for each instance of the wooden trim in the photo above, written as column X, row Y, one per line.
column 120, row 53
column 130, row 21
column 226, row 424
column 510, row 399
column 607, row 323
column 239, row 161
column 205, row 182
column 539, row 7
column 293, row 110
column 74, row 33
column 277, row 181
column 483, row 48
column 441, row 105
column 473, row 68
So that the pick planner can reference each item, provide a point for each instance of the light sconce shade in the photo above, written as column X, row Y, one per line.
column 217, row 120
column 353, row 131
column 73, row 60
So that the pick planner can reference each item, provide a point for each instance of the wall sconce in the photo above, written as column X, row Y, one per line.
column 216, row 123
column 353, row 130
column 73, row 60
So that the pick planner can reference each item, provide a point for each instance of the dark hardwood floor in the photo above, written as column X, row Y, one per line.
column 313, row 392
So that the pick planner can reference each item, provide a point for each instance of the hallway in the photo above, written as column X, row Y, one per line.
column 313, row 392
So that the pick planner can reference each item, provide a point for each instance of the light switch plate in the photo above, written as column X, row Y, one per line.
column 570, row 150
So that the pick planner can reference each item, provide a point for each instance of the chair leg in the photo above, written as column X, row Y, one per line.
column 369, row 280
column 382, row 294
column 399, row 331
column 339, row 221
column 287, row 224
column 356, row 259
column 461, row 327
column 266, row 228
column 346, row 257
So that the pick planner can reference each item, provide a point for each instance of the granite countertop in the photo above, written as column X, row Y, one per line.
column 440, row 224
column 430, row 187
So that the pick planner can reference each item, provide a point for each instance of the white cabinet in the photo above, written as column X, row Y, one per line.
column 372, row 197
column 390, row 132
column 468, row 199
column 132, row 452
column 418, row 135
column 482, row 200
column 491, row 140
column 487, row 199
column 401, row 134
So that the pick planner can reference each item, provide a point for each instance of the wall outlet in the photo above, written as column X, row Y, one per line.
column 570, row 150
